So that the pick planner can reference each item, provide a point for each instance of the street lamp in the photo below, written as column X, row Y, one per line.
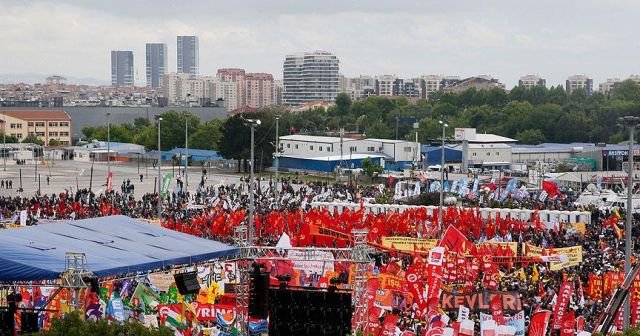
column 159, row 119
column 631, row 123
column 444, row 126
column 108, row 144
column 253, row 123
column 277, row 157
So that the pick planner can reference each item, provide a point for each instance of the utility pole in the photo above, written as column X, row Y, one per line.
column 440, row 228
column 108, row 144
column 186, row 153
column 277, row 158
column 159, row 119
column 631, row 122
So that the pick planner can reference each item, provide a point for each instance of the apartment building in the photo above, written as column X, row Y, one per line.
column 44, row 124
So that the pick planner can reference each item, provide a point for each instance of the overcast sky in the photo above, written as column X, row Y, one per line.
column 505, row 39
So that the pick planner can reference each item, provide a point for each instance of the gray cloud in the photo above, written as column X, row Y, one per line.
column 506, row 39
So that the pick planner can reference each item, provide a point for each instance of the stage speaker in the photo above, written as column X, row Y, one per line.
column 29, row 322
column 259, row 295
column 187, row 283
column 6, row 323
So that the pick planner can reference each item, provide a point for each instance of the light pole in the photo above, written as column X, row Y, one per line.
column 159, row 119
column 186, row 153
column 108, row 144
column 277, row 157
column 253, row 123
column 444, row 126
column 631, row 123
column 4, row 142
column 397, row 120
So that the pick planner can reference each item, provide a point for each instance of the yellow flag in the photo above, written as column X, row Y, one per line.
column 212, row 293
column 535, row 276
column 523, row 276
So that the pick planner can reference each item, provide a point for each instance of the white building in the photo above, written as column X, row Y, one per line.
column 384, row 85
column 310, row 76
column 398, row 151
column 530, row 81
column 606, row 87
column 579, row 82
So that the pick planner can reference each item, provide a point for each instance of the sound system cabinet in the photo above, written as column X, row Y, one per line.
column 305, row 312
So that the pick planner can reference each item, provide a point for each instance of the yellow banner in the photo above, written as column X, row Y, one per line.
column 573, row 253
column 409, row 243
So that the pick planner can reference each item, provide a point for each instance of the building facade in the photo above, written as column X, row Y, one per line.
column 310, row 76
column 530, row 81
column 157, row 64
column 122, row 68
column 259, row 90
column 46, row 125
column 579, row 82
column 385, row 85
column 188, row 55
column 482, row 82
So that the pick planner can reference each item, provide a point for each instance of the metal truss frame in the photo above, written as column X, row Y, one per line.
column 359, row 255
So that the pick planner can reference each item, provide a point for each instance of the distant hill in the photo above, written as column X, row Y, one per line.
column 32, row 78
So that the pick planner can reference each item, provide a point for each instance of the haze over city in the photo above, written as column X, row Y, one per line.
column 505, row 39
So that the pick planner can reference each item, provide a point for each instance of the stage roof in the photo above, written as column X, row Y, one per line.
column 113, row 245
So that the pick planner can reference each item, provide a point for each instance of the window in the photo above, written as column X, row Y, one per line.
column 53, row 134
column 64, row 124
column 40, row 134
column 53, row 124
column 19, row 135
column 407, row 149
column 15, row 126
column 288, row 145
column 64, row 133
column 474, row 154
column 40, row 124
column 371, row 149
column 311, row 147
column 488, row 153
column 328, row 149
column 296, row 146
column 30, row 124
column 497, row 153
column 353, row 149
column 320, row 148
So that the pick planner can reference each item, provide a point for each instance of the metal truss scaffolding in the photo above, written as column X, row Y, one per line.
column 359, row 256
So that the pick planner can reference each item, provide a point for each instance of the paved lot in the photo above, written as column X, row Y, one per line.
column 71, row 175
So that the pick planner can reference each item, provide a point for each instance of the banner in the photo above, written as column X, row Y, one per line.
column 479, row 301
column 415, row 286
column 144, row 298
column 204, row 312
column 434, row 273
column 573, row 255
column 562, row 303
column 463, row 313
column 539, row 322
column 513, row 246
column 568, row 324
column 166, row 181
column 515, row 321
column 409, row 243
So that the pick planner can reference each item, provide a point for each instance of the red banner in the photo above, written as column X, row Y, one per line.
column 415, row 286
column 496, row 310
column 562, row 303
column 568, row 324
column 109, row 181
column 539, row 323
column 204, row 312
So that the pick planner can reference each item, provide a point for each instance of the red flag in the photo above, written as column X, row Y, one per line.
column 568, row 324
column 581, row 323
column 455, row 241
column 562, row 303
column 539, row 323
column 496, row 309
column 551, row 188
column 109, row 178
column 391, row 182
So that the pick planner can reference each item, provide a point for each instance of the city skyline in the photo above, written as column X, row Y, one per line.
column 409, row 39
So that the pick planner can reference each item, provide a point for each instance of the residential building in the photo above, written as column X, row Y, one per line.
column 171, row 86
column 259, row 90
column 310, row 76
column 482, row 82
column 237, row 76
column 579, row 82
column 530, row 81
column 228, row 91
column 157, row 64
column 432, row 84
column 46, row 125
column 384, row 85
column 357, row 86
column 449, row 81
column 188, row 55
column 278, row 89
column 122, row 68
column 56, row 80
column 606, row 88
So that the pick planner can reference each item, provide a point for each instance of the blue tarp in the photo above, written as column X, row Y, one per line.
column 113, row 245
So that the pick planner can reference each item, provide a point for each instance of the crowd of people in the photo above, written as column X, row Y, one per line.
column 213, row 211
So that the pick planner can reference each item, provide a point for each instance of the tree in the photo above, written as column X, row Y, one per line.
column 531, row 137
column 9, row 139
column 31, row 138
column 370, row 168
column 54, row 142
column 206, row 136
column 73, row 325
column 343, row 104
column 379, row 130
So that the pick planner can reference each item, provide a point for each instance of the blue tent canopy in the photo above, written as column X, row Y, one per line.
column 113, row 245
